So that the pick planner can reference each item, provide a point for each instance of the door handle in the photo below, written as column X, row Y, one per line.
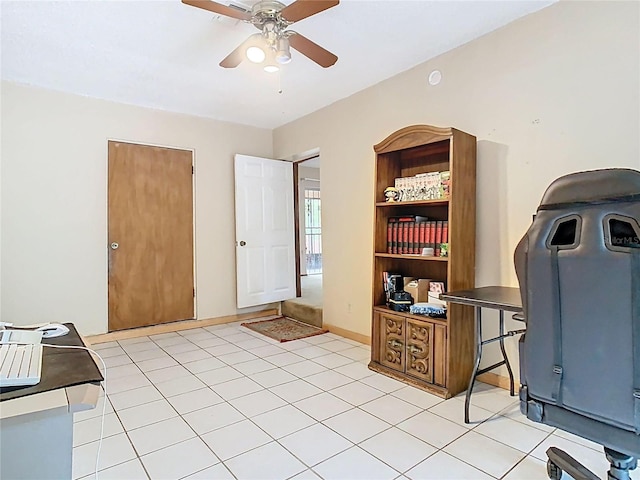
column 242, row 243
column 112, row 246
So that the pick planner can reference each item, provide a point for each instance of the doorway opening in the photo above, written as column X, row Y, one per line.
column 307, row 306
column 313, row 230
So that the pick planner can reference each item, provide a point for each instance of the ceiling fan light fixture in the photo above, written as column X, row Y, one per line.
column 271, row 68
column 270, row 65
column 271, row 46
column 283, row 54
column 255, row 54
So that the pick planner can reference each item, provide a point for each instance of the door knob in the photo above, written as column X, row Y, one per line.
column 114, row 245
column 242, row 243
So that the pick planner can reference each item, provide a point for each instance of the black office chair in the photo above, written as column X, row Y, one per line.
column 578, row 267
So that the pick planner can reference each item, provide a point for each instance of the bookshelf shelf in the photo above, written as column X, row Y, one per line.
column 440, row 201
column 422, row 258
column 433, row 354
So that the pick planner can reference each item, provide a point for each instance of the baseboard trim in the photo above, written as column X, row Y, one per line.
column 358, row 337
column 175, row 326
column 497, row 381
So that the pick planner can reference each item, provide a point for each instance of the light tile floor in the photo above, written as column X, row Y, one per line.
column 224, row 402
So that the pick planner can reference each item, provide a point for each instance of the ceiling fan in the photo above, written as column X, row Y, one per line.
column 272, row 45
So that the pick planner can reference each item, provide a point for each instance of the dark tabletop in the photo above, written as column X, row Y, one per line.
column 61, row 368
column 501, row 298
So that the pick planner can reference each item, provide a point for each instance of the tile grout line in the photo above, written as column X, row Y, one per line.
column 180, row 415
column 299, row 376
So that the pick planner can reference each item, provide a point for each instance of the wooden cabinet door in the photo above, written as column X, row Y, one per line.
column 419, row 356
column 392, row 345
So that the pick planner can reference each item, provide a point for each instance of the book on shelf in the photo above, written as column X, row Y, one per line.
column 396, row 237
column 422, row 227
column 405, row 237
column 403, row 234
column 385, row 286
column 424, row 186
column 433, row 186
column 445, row 235
column 411, row 237
column 438, row 238
column 431, row 234
column 409, row 234
column 408, row 218
column 445, row 184
column 444, row 244
column 391, row 283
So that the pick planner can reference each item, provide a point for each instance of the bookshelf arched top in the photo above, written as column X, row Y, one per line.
column 413, row 136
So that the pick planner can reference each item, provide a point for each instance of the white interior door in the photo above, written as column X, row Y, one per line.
column 265, row 255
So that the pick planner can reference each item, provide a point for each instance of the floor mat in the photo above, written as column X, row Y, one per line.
column 284, row 329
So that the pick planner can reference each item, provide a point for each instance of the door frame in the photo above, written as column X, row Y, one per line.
column 193, row 212
column 296, row 214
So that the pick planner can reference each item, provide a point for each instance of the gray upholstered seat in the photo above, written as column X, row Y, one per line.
column 578, row 266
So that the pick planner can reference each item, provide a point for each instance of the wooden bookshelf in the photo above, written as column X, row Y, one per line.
column 430, row 353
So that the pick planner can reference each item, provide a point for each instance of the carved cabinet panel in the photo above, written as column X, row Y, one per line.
column 392, row 341
column 419, row 351
column 412, row 347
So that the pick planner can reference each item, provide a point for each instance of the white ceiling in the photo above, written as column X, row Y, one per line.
column 165, row 54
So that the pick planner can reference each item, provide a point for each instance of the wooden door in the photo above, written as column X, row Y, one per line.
column 265, row 233
column 150, row 235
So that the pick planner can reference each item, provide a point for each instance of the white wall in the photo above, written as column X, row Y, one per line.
column 54, row 201
column 552, row 93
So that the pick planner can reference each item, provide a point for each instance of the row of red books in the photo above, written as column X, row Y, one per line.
column 408, row 235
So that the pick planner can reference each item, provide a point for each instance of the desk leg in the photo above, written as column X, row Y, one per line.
column 467, row 398
column 504, row 354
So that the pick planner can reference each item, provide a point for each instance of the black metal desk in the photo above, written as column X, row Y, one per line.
column 61, row 368
column 504, row 299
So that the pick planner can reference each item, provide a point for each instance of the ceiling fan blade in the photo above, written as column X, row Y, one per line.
column 312, row 50
column 234, row 58
column 218, row 8
column 305, row 8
